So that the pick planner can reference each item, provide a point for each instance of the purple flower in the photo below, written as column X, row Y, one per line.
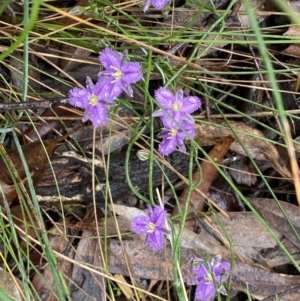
column 208, row 276
column 173, row 136
column 94, row 100
column 175, row 114
column 158, row 4
column 151, row 225
column 120, row 73
column 178, row 107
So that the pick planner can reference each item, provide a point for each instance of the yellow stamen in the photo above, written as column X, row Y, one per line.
column 173, row 133
column 208, row 277
column 151, row 227
column 93, row 100
column 176, row 107
column 117, row 75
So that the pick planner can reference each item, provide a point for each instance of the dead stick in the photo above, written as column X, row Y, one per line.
column 31, row 105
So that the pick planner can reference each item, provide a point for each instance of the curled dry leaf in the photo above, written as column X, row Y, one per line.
column 186, row 17
column 210, row 133
column 11, row 286
column 243, row 228
column 122, row 284
column 8, row 191
column 36, row 159
column 144, row 263
column 108, row 138
column 224, row 196
column 36, row 155
column 75, row 57
column 257, row 5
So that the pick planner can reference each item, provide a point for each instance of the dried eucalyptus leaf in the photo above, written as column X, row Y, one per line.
column 112, row 142
column 243, row 172
column 262, row 283
column 275, row 257
column 242, row 227
column 292, row 211
column 270, row 211
column 253, row 140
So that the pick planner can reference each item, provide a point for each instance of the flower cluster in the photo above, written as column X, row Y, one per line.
column 97, row 98
column 153, row 225
column 175, row 114
column 178, row 125
column 209, row 277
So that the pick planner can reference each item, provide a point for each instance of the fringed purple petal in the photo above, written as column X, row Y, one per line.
column 110, row 89
column 159, row 216
column 79, row 97
column 205, row 291
column 97, row 114
column 139, row 224
column 156, row 240
column 167, row 146
column 190, row 104
column 110, row 58
column 159, row 4
column 164, row 97
column 132, row 72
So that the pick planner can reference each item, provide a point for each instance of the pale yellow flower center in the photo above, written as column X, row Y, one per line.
column 118, row 74
column 176, row 107
column 93, row 100
column 208, row 277
column 151, row 227
column 173, row 133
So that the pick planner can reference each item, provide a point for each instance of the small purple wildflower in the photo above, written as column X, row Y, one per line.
column 120, row 73
column 152, row 225
column 177, row 106
column 158, row 4
column 93, row 100
column 209, row 275
column 175, row 114
column 173, row 136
